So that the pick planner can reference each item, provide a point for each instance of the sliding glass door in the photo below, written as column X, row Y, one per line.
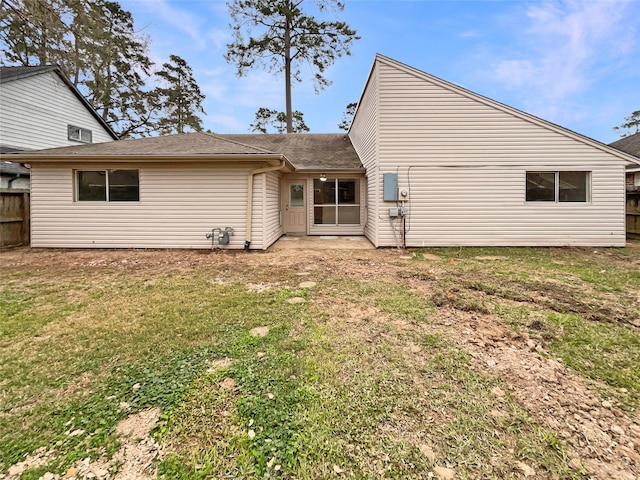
column 336, row 201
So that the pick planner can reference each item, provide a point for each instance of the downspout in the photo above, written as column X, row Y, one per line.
column 253, row 173
column 13, row 179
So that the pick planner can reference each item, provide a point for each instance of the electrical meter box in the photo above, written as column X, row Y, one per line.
column 390, row 187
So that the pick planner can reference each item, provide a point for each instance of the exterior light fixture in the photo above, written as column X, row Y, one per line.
column 323, row 177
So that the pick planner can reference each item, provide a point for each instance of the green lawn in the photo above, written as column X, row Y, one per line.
column 360, row 380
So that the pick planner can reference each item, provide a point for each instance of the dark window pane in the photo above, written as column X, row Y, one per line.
column 124, row 186
column 573, row 186
column 348, row 192
column 324, row 192
column 92, row 186
column 541, row 187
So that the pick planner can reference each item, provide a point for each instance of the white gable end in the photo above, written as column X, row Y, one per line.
column 463, row 159
column 36, row 111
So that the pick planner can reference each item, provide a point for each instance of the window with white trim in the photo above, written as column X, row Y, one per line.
column 79, row 134
column 107, row 185
column 336, row 201
column 561, row 186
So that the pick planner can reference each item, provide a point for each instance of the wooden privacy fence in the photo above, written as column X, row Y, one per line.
column 14, row 218
column 633, row 213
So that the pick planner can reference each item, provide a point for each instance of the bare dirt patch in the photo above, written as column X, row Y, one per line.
column 603, row 441
column 133, row 461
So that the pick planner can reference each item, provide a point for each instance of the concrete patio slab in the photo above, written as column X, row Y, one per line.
column 322, row 243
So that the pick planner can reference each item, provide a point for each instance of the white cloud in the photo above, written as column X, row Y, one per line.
column 183, row 21
column 260, row 89
column 224, row 123
column 565, row 47
column 219, row 38
column 469, row 34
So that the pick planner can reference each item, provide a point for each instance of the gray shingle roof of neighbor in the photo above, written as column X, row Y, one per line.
column 304, row 151
column 11, row 168
column 13, row 73
column 629, row 144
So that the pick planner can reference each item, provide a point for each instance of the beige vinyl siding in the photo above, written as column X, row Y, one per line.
column 464, row 161
column 486, row 206
column 273, row 228
column 178, row 206
column 364, row 135
column 35, row 113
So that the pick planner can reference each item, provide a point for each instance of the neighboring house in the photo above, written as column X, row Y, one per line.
column 630, row 144
column 425, row 163
column 13, row 176
column 40, row 108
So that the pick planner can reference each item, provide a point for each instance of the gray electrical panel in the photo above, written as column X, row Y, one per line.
column 390, row 184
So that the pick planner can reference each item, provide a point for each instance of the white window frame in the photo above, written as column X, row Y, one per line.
column 106, row 171
column 556, row 181
column 336, row 204
column 79, row 134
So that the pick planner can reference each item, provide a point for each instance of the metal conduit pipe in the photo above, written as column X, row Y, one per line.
column 253, row 173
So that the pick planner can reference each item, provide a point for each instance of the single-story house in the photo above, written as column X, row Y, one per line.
column 425, row 163
column 630, row 144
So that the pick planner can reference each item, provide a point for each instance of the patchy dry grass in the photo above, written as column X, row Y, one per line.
column 366, row 378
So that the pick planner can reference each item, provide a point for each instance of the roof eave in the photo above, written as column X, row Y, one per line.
column 330, row 170
column 33, row 158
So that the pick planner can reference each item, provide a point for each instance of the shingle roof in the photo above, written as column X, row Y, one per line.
column 14, row 73
column 168, row 145
column 11, row 168
column 304, row 151
column 629, row 144
column 307, row 151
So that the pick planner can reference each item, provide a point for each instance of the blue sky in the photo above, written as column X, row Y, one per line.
column 574, row 63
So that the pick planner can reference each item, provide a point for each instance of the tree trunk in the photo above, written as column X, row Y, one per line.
column 287, row 74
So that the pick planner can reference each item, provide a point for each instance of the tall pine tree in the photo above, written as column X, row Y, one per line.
column 96, row 45
column 180, row 97
column 281, row 37
column 33, row 31
column 117, row 66
column 266, row 118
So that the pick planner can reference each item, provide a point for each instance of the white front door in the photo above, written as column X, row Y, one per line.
column 295, row 212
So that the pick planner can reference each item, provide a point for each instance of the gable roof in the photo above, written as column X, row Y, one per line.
column 495, row 104
column 10, row 74
column 629, row 144
column 303, row 151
